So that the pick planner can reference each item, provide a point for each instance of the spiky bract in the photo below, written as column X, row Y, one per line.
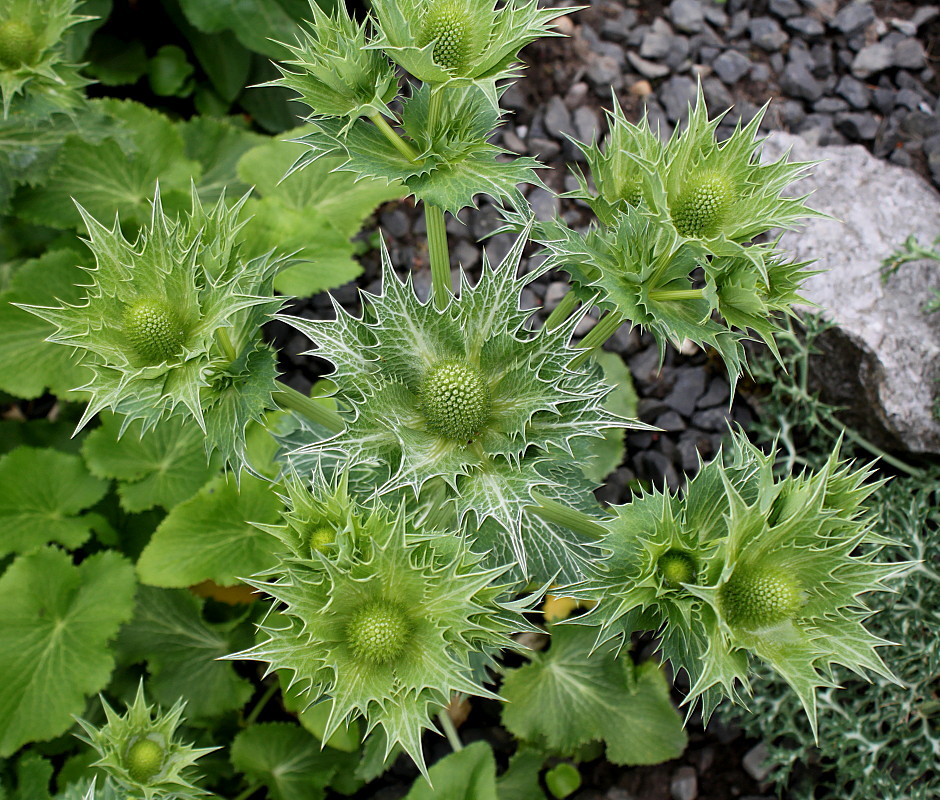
column 141, row 753
column 31, row 53
column 469, row 396
column 334, row 71
column 779, row 568
column 389, row 625
column 171, row 325
column 441, row 41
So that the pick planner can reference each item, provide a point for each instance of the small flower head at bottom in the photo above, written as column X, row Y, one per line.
column 139, row 752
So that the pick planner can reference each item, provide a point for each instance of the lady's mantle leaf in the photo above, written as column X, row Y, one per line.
column 181, row 650
column 469, row 774
column 286, row 759
column 567, row 698
column 42, row 493
column 162, row 467
column 28, row 363
column 210, row 536
column 57, row 621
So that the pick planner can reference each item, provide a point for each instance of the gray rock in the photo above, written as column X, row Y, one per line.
column 466, row 254
column 784, row 8
column 872, row 59
column 618, row 29
column 755, row 762
column 767, row 34
column 716, row 15
column 675, row 95
column 684, row 784
column 854, row 17
column 656, row 45
column 586, row 124
column 718, row 392
column 830, row 105
column 884, row 354
column 857, row 125
column 711, row 419
column 909, row 54
column 798, row 81
column 544, row 203
column 688, row 388
column 648, row 69
column 807, row 27
column 395, row 223
column 908, row 98
column 924, row 14
column 670, row 421
column 604, row 72
column 716, row 95
column 854, row 91
column 687, row 15
column 558, row 119
column 738, row 26
column 731, row 66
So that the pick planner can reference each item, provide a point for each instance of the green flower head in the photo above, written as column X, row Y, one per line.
column 744, row 564
column 441, row 41
column 334, row 71
column 389, row 625
column 466, row 395
column 170, row 325
column 141, row 754
column 31, row 53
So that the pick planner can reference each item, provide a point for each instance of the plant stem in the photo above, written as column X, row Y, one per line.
column 677, row 294
column 399, row 144
column 249, row 792
column 562, row 311
column 225, row 342
column 450, row 731
column 439, row 255
column 600, row 333
column 291, row 399
column 570, row 518
column 262, row 702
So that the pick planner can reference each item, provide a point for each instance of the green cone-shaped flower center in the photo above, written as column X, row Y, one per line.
column 448, row 24
column 676, row 567
column 702, row 205
column 630, row 191
column 455, row 400
column 321, row 537
column 17, row 44
column 144, row 760
column 756, row 598
column 378, row 632
column 154, row 329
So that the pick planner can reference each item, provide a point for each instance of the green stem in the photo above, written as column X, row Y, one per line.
column 606, row 327
column 262, row 702
column 399, row 144
column 676, row 294
column 435, row 104
column 249, row 791
column 291, row 399
column 225, row 342
column 567, row 517
column 439, row 255
column 450, row 731
column 562, row 311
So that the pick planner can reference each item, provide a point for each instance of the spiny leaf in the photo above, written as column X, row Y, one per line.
column 58, row 619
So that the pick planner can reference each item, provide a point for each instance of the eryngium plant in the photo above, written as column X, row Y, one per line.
column 170, row 325
column 384, row 616
column 742, row 565
column 141, row 753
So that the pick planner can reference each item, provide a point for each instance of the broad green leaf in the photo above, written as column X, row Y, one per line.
column 33, row 774
column 600, row 457
column 255, row 22
column 117, row 62
column 286, row 759
column 162, row 467
column 114, row 175
column 217, row 145
column 468, row 774
column 520, row 781
column 210, row 536
column 57, row 621
column 170, row 72
column 563, row 780
column 181, row 650
column 42, row 495
column 28, row 364
column 569, row 697
column 314, row 718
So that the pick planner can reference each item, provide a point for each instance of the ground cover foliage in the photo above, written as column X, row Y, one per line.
column 188, row 535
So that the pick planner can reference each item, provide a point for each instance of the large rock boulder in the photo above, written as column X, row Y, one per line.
column 882, row 360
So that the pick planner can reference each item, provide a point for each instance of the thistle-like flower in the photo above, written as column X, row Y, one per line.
column 461, row 41
column 334, row 71
column 31, row 53
column 744, row 564
column 171, row 325
column 466, row 395
column 141, row 753
column 390, row 622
